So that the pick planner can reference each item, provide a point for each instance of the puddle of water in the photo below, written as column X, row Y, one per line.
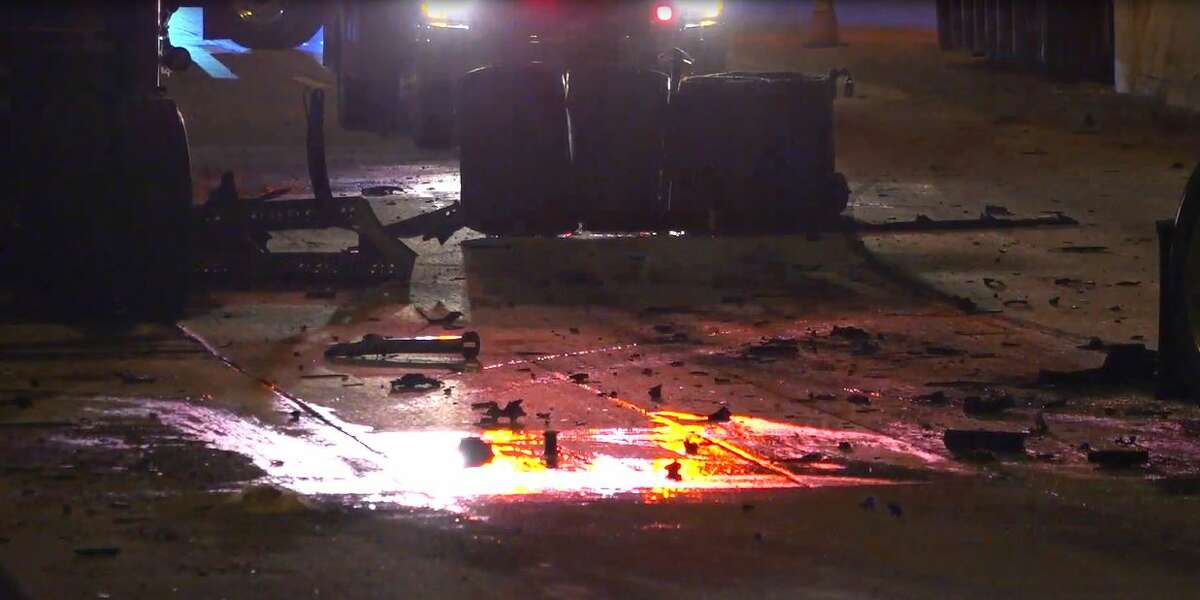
column 426, row 469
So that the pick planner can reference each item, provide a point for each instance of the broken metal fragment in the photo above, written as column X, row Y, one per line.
column 475, row 452
column 860, row 399
column 656, row 393
column 673, row 471
column 415, row 382
column 988, row 405
column 468, row 345
column 493, row 413
column 722, row 415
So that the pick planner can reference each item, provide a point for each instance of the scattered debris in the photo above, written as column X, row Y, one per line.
column 467, row 344
column 895, row 510
column 550, row 448
column 1093, row 344
column 578, row 377
column 1081, row 249
column 991, row 404
column 673, row 471
column 97, row 551
column 996, row 210
column 845, row 447
column 656, row 393
column 1128, row 283
column 995, row 285
column 341, row 376
column 131, row 378
column 965, row 441
column 774, row 347
column 1176, row 165
column 1118, row 458
column 475, row 452
column 381, row 190
column 691, row 447
column 859, row 399
column 415, row 382
column 722, row 415
column 849, row 333
column 1055, row 300
column 938, row 398
column 1124, row 363
column 868, row 503
column 493, row 413
column 439, row 317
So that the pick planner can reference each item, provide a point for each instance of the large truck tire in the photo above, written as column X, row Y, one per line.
column 1182, row 339
column 106, row 212
column 515, row 155
column 268, row 24
column 618, row 122
column 154, row 266
column 755, row 151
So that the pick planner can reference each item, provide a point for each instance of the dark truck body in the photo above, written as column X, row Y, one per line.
column 399, row 63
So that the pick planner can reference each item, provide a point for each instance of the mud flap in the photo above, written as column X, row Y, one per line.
column 750, row 151
column 618, row 121
column 1179, row 334
column 514, row 150
column 151, row 262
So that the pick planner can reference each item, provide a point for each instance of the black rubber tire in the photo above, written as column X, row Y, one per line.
column 755, row 150
column 514, row 151
column 151, row 268
column 1183, row 289
column 299, row 22
column 618, row 123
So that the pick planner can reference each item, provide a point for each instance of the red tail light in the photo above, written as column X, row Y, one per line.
column 664, row 12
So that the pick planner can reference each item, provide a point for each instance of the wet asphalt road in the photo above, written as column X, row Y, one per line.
column 229, row 458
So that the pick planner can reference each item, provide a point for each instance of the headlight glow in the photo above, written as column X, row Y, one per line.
column 699, row 11
column 447, row 13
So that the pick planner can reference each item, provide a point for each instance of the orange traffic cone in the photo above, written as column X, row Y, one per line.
column 822, row 30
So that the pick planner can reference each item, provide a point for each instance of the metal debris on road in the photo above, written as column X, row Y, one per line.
column 493, row 413
column 415, row 382
column 991, row 404
column 442, row 317
column 550, row 450
column 722, row 415
column 467, row 344
column 673, row 471
column 859, row 399
column 656, row 393
column 579, row 377
column 1123, row 363
column 475, row 452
